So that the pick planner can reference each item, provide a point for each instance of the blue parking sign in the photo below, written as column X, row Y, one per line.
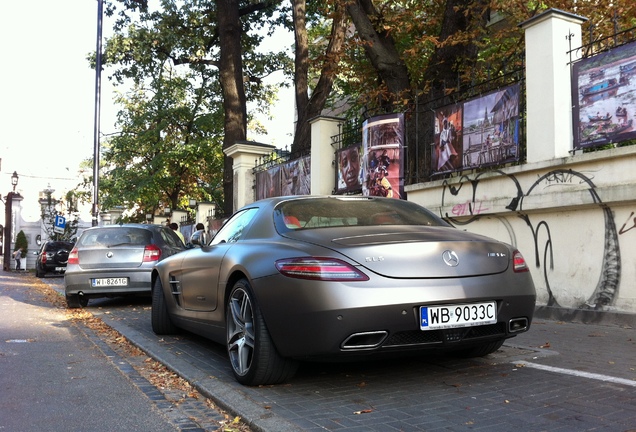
column 60, row 224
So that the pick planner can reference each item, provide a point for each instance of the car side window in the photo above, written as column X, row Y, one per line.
column 171, row 238
column 233, row 228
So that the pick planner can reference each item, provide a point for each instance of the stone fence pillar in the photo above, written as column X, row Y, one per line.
column 244, row 154
column 549, row 37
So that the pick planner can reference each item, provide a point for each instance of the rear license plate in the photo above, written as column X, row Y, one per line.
column 460, row 315
column 60, row 269
column 109, row 282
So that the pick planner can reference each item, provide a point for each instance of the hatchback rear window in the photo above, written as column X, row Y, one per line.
column 109, row 237
column 57, row 245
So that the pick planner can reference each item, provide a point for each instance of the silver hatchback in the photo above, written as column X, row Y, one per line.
column 116, row 260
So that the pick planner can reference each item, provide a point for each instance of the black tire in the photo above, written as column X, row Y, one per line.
column 74, row 301
column 481, row 350
column 253, row 356
column 159, row 317
column 39, row 273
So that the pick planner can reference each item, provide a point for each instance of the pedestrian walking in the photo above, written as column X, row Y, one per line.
column 175, row 228
column 17, row 255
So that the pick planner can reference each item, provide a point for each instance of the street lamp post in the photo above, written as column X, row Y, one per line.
column 98, row 93
column 8, row 222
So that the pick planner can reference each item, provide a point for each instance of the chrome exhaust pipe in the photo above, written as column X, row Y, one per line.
column 517, row 325
column 365, row 340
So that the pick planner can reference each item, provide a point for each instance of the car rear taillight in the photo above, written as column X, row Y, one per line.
column 73, row 257
column 326, row 269
column 518, row 263
column 43, row 259
column 152, row 253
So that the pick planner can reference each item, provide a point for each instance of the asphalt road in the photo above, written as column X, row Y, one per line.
column 557, row 377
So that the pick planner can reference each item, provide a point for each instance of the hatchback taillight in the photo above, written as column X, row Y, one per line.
column 73, row 257
column 518, row 263
column 319, row 268
column 152, row 253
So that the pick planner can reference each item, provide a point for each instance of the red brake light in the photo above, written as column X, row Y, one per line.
column 73, row 257
column 43, row 259
column 518, row 263
column 326, row 269
column 152, row 253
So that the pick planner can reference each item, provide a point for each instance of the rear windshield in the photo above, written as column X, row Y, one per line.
column 351, row 211
column 119, row 236
column 57, row 245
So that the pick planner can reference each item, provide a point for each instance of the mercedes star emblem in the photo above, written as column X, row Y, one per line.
column 450, row 258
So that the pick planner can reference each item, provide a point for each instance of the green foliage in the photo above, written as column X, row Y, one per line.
column 418, row 29
column 167, row 148
column 171, row 121
column 21, row 243
column 49, row 213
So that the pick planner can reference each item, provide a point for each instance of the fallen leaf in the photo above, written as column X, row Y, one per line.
column 366, row 411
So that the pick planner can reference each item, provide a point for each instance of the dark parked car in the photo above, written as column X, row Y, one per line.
column 116, row 260
column 292, row 278
column 52, row 257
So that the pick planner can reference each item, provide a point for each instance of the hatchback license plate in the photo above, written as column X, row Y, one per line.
column 460, row 315
column 109, row 282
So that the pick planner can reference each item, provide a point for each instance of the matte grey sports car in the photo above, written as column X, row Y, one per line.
column 310, row 277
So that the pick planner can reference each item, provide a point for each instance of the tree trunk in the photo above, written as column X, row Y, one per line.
column 231, row 78
column 306, row 107
column 450, row 58
column 443, row 74
column 380, row 48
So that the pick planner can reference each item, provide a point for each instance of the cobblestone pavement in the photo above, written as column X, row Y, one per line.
column 557, row 377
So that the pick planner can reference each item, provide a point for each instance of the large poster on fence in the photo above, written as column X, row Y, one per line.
column 296, row 177
column 289, row 178
column 480, row 132
column 382, row 156
column 268, row 183
column 349, row 169
column 604, row 97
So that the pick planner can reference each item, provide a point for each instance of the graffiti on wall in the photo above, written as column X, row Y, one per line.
column 605, row 292
column 628, row 225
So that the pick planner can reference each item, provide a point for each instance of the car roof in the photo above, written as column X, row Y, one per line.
column 126, row 225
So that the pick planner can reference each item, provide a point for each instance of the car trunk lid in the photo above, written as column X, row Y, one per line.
column 414, row 251
column 113, row 257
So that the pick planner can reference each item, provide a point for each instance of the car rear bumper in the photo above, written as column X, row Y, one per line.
column 54, row 268
column 81, row 282
column 336, row 319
